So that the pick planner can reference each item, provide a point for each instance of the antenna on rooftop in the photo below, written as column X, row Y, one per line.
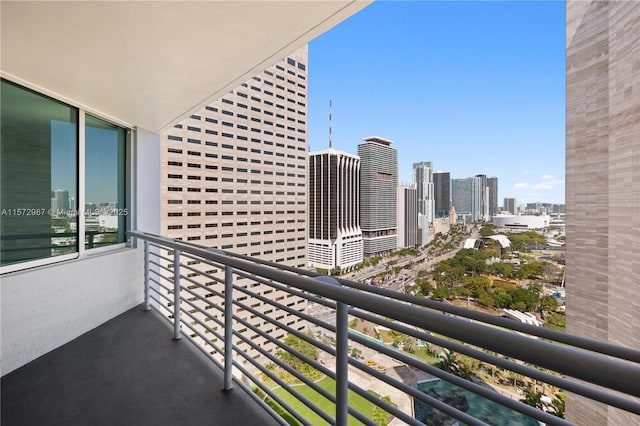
column 330, row 144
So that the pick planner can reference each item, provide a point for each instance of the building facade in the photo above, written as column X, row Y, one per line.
column 602, row 183
column 378, row 195
column 468, row 198
column 408, row 203
column 423, row 182
column 335, row 237
column 492, row 195
column 510, row 205
column 442, row 193
column 234, row 175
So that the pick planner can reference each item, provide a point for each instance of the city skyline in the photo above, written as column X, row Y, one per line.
column 509, row 112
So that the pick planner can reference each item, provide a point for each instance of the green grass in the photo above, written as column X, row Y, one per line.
column 356, row 401
column 425, row 356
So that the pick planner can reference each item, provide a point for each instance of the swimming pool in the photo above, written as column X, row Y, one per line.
column 475, row 405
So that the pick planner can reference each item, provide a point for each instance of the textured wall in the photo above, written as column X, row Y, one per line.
column 603, row 182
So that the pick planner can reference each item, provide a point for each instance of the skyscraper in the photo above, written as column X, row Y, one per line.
column 603, row 184
column 335, row 237
column 378, row 195
column 469, row 197
column 407, row 216
column 442, row 193
column 492, row 199
column 509, row 205
column 234, row 175
column 483, row 196
column 423, row 182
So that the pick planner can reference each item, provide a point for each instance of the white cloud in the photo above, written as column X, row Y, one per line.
column 543, row 185
column 521, row 185
column 526, row 172
column 547, row 177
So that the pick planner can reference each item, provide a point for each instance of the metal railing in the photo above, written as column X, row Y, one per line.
column 234, row 325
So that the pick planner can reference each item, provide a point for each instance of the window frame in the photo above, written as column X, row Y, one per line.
column 129, row 195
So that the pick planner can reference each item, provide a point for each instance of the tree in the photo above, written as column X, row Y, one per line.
column 533, row 398
column 558, row 404
column 549, row 303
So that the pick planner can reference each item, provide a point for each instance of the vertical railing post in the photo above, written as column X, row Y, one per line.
column 176, row 294
column 342, row 356
column 147, row 305
column 228, row 328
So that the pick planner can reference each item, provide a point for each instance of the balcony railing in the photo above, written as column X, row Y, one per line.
column 220, row 312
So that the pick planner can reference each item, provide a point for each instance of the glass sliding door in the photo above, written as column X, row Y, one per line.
column 38, row 176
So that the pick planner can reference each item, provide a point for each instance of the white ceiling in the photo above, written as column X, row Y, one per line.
column 150, row 63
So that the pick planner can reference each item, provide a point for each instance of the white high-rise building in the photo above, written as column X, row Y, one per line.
column 423, row 182
column 335, row 237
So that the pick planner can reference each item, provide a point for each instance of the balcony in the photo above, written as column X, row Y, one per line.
column 130, row 371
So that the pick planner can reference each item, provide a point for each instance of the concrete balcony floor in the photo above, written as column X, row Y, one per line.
column 128, row 371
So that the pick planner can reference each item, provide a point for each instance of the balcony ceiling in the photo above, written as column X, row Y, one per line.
column 147, row 63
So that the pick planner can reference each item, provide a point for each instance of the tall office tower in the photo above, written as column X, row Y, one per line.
column 483, row 194
column 234, row 177
column 468, row 197
column 335, row 237
column 423, row 182
column 378, row 195
column 407, row 216
column 492, row 200
column 461, row 197
column 442, row 193
column 602, row 184
column 509, row 205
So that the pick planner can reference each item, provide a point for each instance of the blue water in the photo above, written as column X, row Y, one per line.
column 479, row 407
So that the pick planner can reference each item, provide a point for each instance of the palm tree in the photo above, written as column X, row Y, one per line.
column 533, row 398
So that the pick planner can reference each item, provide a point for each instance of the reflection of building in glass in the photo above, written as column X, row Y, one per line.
column 335, row 238
column 378, row 195
column 60, row 200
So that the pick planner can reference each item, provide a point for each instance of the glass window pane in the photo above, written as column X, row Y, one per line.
column 105, row 209
column 38, row 175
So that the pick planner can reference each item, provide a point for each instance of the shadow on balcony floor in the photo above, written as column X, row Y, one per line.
column 128, row 371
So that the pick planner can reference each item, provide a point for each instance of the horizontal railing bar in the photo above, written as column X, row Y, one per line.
column 326, row 394
column 159, row 256
column 202, row 323
column 286, row 308
column 207, row 301
column 201, row 286
column 463, row 383
column 561, row 382
column 567, row 361
column 204, row 274
column 163, row 296
column 197, row 332
column 279, row 286
column 281, row 345
column 157, row 283
column 267, row 391
column 593, row 345
column 153, row 262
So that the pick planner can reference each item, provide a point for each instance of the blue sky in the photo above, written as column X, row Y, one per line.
column 474, row 87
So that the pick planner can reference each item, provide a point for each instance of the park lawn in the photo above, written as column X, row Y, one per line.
column 356, row 401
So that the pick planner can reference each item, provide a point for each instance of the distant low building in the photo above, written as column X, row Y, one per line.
column 521, row 221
